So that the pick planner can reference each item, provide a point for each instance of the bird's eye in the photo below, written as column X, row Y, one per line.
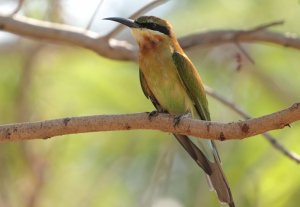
column 155, row 27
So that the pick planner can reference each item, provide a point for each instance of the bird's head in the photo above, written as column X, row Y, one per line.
column 147, row 29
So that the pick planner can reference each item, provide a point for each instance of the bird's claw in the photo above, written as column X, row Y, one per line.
column 152, row 114
column 178, row 118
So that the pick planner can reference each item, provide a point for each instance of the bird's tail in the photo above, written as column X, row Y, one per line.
column 213, row 170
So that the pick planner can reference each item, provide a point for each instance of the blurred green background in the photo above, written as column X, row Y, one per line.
column 40, row 81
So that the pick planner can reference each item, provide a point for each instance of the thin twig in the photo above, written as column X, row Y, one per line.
column 292, row 155
column 226, row 102
column 18, row 8
column 94, row 15
column 141, row 11
column 272, row 140
column 255, row 29
column 266, row 26
column 245, row 53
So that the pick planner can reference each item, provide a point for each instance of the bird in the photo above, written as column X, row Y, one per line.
column 172, row 83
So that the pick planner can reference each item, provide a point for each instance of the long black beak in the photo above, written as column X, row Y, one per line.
column 128, row 22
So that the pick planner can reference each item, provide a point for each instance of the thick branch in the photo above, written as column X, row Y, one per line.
column 163, row 122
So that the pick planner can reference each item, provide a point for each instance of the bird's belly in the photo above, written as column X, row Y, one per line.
column 165, row 84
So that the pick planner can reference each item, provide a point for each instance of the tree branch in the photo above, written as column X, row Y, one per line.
column 146, row 8
column 18, row 8
column 122, row 50
column 94, row 14
column 218, row 37
column 53, row 32
column 163, row 122
column 272, row 140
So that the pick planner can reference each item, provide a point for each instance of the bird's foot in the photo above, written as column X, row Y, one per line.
column 178, row 118
column 152, row 114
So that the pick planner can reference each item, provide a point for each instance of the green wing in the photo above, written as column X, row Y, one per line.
column 193, row 84
column 194, row 87
column 187, row 144
column 192, row 81
column 212, row 169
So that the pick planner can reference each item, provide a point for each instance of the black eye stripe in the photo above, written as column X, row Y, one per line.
column 155, row 27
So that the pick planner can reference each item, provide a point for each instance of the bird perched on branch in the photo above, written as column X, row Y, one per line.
column 172, row 83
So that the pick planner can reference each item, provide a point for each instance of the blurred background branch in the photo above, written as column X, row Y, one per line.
column 272, row 140
column 18, row 8
column 141, row 11
column 122, row 50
